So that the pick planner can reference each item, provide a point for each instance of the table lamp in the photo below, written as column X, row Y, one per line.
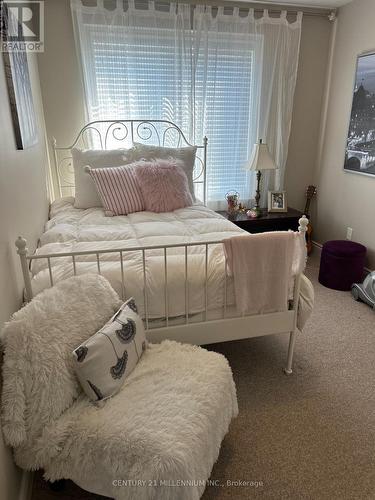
column 261, row 159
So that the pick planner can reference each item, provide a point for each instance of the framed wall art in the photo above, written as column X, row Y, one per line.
column 360, row 146
column 19, row 88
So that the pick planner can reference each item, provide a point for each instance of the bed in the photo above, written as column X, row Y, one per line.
column 172, row 263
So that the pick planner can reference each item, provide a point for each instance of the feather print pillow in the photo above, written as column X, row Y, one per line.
column 103, row 362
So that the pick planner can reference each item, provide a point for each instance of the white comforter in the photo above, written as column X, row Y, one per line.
column 75, row 230
column 70, row 229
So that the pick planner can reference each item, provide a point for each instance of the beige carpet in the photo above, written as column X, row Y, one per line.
column 307, row 436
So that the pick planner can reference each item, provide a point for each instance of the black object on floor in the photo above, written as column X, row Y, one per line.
column 57, row 485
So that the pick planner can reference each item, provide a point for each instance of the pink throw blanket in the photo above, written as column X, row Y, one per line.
column 261, row 265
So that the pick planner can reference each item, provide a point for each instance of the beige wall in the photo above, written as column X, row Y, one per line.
column 23, row 209
column 60, row 77
column 63, row 92
column 346, row 199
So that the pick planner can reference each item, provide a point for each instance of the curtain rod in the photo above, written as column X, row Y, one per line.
column 329, row 14
column 259, row 7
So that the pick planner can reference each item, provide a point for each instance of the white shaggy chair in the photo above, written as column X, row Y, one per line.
column 158, row 438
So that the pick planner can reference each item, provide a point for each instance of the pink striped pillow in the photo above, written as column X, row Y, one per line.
column 118, row 189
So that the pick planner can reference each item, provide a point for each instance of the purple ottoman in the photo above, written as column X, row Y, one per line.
column 341, row 264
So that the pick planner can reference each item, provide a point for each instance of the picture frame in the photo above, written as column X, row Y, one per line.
column 360, row 143
column 19, row 90
column 277, row 201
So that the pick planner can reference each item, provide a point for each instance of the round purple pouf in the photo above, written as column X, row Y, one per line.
column 342, row 263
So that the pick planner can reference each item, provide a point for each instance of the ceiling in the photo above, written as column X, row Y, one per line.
column 307, row 3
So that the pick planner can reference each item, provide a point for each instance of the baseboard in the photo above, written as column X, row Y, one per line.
column 26, row 485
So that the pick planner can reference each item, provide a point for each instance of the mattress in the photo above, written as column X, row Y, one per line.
column 74, row 230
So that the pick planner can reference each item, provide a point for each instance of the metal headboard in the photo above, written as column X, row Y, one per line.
column 115, row 134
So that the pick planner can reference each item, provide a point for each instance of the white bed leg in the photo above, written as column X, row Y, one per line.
column 292, row 340
column 302, row 228
column 22, row 251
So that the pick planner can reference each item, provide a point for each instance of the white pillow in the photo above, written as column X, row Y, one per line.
column 86, row 195
column 186, row 155
column 103, row 362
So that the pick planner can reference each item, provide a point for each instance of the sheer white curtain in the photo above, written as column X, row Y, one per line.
column 212, row 71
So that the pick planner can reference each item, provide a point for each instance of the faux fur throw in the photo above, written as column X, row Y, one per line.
column 39, row 383
column 163, row 428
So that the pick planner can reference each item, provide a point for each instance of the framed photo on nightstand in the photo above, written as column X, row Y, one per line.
column 277, row 201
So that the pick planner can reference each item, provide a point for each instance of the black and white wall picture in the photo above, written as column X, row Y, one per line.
column 19, row 90
column 360, row 148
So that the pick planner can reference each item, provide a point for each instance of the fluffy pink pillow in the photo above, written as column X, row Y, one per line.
column 164, row 185
column 118, row 189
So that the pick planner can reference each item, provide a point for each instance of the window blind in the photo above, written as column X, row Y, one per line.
column 136, row 75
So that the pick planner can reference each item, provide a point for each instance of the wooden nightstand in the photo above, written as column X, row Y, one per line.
column 274, row 221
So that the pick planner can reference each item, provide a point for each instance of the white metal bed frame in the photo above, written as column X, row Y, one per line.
column 206, row 331
column 108, row 134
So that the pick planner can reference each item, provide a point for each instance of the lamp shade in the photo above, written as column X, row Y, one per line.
column 261, row 158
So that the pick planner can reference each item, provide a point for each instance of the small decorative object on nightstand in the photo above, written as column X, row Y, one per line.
column 260, row 160
column 277, row 201
column 232, row 198
column 252, row 213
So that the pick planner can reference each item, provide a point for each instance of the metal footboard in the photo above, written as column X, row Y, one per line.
column 74, row 257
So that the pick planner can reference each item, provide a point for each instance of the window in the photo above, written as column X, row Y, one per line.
column 139, row 73
column 215, row 71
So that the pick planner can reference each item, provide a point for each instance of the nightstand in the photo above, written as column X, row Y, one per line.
column 273, row 221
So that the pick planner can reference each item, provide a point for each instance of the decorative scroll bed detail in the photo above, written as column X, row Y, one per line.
column 192, row 328
column 115, row 134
